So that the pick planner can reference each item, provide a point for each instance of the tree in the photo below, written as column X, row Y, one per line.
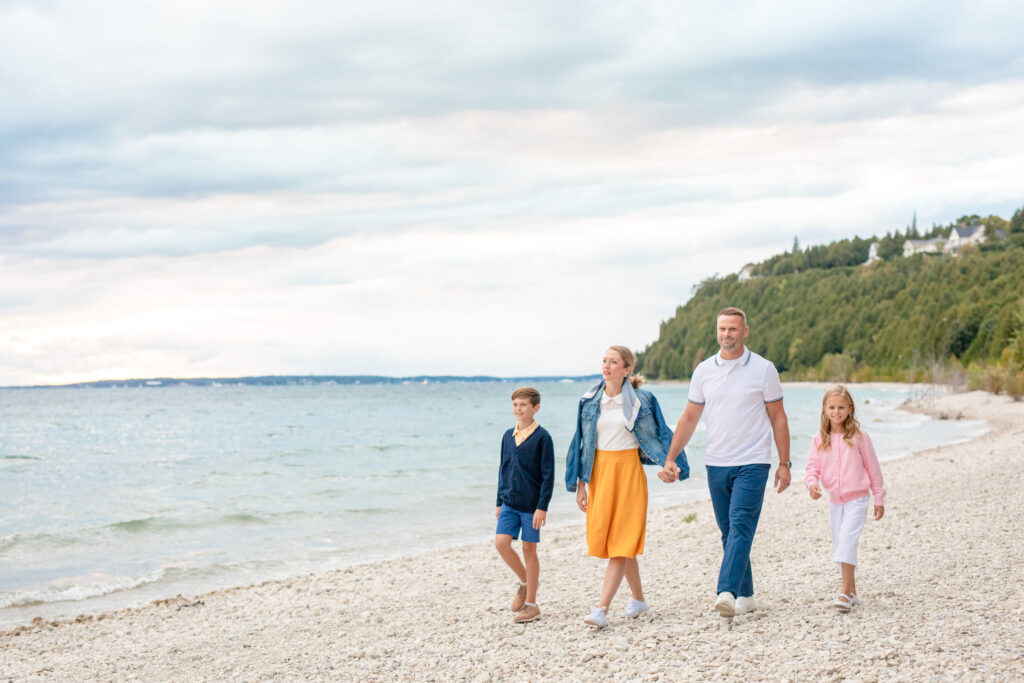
column 1017, row 222
column 796, row 245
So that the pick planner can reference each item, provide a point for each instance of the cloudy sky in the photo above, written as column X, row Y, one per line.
column 236, row 188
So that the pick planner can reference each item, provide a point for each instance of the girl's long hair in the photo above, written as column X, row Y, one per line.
column 629, row 358
column 850, row 427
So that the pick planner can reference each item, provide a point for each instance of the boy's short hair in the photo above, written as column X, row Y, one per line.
column 529, row 393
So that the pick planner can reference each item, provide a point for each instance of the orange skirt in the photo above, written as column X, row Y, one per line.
column 616, row 505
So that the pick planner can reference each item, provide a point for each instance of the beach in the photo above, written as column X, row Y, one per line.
column 939, row 578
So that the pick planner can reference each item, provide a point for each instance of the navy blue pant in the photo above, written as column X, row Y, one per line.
column 736, row 495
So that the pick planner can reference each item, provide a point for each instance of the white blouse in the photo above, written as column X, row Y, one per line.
column 612, row 434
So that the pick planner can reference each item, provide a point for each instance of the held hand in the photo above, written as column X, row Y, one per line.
column 670, row 472
column 497, row 512
column 879, row 511
column 581, row 496
column 782, row 477
column 815, row 491
column 539, row 517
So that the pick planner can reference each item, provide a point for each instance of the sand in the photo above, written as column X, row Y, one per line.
column 940, row 580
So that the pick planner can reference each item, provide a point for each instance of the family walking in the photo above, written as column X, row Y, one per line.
column 620, row 427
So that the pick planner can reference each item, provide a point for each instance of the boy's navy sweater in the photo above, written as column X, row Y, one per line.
column 526, row 477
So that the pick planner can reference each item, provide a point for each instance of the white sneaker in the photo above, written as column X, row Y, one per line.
column 635, row 608
column 745, row 604
column 596, row 618
column 726, row 604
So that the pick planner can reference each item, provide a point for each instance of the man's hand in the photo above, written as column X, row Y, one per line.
column 879, row 511
column 670, row 472
column 581, row 496
column 497, row 512
column 539, row 517
column 782, row 477
column 815, row 491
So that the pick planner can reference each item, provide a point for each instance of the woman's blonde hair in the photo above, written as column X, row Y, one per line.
column 850, row 426
column 629, row 358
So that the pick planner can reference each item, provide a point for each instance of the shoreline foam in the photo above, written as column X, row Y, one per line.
column 928, row 575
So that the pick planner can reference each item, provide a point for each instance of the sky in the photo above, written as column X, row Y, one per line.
column 198, row 189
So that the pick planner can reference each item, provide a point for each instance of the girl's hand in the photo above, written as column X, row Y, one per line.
column 879, row 511
column 581, row 496
column 815, row 491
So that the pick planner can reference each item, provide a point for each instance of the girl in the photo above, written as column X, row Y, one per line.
column 843, row 462
column 618, row 427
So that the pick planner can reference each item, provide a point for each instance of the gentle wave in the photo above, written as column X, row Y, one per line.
column 56, row 539
column 99, row 586
column 147, row 524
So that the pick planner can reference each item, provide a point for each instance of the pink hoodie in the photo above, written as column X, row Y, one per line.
column 846, row 472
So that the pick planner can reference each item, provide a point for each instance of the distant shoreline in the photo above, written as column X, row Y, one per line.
column 301, row 380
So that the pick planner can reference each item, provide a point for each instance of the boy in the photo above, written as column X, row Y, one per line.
column 525, row 481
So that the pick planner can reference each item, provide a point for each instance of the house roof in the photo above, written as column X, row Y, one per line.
column 967, row 231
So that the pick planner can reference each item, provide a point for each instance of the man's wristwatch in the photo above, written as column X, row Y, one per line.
column 788, row 464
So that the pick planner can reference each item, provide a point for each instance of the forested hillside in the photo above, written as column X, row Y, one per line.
column 906, row 319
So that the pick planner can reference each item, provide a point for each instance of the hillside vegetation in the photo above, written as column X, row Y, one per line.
column 922, row 318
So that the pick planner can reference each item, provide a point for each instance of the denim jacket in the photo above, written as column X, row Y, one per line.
column 650, row 430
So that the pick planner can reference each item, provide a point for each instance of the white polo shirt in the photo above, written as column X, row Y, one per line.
column 734, row 394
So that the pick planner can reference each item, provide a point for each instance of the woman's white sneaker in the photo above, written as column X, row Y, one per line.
column 596, row 618
column 635, row 608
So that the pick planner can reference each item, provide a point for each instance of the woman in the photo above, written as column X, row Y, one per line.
column 618, row 427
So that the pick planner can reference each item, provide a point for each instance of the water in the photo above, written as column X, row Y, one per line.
column 116, row 496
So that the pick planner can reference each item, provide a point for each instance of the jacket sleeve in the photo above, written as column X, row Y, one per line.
column 665, row 437
column 547, row 472
column 812, row 471
column 572, row 458
column 870, row 460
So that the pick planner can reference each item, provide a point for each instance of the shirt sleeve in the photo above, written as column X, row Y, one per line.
column 867, row 454
column 812, row 470
column 772, row 390
column 547, row 472
column 696, row 394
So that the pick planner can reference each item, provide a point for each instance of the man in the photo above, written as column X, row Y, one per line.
column 740, row 395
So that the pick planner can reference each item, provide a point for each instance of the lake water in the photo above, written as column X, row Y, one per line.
column 116, row 496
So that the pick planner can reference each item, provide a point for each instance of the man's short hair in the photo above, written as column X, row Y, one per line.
column 529, row 393
column 732, row 310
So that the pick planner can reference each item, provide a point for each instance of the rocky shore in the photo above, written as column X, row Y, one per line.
column 940, row 580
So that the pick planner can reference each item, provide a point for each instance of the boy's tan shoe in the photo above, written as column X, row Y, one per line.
column 519, row 598
column 528, row 613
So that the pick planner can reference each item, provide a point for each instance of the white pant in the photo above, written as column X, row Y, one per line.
column 846, row 521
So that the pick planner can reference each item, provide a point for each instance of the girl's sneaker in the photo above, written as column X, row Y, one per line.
column 635, row 608
column 596, row 618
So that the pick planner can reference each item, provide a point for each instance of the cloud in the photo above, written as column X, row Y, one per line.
column 196, row 189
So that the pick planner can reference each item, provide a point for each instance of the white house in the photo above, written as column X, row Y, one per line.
column 873, row 254
column 963, row 235
column 746, row 272
column 933, row 246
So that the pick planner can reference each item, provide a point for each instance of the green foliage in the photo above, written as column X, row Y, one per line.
column 896, row 320
column 1017, row 222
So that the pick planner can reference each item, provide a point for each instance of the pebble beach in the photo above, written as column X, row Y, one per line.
column 939, row 579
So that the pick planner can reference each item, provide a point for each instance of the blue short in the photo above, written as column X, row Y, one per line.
column 510, row 521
